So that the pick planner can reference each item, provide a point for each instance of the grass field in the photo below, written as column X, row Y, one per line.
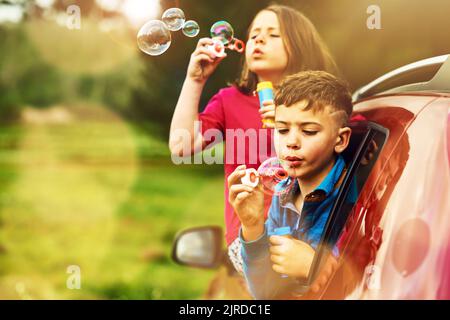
column 87, row 189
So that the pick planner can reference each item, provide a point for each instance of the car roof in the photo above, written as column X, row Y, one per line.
column 410, row 79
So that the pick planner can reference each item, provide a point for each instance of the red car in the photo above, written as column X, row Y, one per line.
column 394, row 242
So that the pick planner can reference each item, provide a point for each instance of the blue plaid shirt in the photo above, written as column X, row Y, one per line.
column 307, row 226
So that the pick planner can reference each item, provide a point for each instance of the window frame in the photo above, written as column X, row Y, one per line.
column 372, row 130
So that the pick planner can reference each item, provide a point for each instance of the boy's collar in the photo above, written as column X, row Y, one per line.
column 327, row 185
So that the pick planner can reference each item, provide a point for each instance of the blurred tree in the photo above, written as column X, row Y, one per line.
column 24, row 78
column 40, row 85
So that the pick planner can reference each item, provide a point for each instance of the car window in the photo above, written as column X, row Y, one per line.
column 366, row 143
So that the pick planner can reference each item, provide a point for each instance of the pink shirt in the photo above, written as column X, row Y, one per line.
column 226, row 112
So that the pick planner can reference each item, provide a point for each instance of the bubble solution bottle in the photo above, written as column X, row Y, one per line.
column 265, row 93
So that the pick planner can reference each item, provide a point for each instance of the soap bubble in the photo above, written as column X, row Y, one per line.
column 191, row 28
column 274, row 177
column 154, row 38
column 173, row 18
column 222, row 30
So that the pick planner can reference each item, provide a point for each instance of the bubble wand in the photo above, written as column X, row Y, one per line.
column 222, row 35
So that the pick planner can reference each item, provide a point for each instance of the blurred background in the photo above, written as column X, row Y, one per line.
column 86, row 177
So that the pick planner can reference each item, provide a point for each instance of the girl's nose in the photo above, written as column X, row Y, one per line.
column 260, row 39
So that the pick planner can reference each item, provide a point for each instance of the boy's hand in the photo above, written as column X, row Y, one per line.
column 248, row 203
column 267, row 113
column 325, row 273
column 203, row 62
column 290, row 256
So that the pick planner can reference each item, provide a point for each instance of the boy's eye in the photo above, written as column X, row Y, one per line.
column 275, row 35
column 309, row 132
column 282, row 130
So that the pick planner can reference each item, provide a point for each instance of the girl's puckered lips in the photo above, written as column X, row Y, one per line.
column 257, row 52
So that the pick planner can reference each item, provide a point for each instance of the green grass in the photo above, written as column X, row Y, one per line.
column 102, row 196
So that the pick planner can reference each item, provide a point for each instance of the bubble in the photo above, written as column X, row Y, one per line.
column 222, row 30
column 274, row 177
column 173, row 18
column 154, row 38
column 191, row 28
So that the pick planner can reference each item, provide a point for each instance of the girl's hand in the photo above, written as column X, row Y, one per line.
column 267, row 113
column 203, row 62
column 290, row 256
column 248, row 203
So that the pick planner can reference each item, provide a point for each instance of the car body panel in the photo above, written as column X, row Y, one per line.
column 398, row 234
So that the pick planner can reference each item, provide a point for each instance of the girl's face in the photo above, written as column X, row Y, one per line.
column 265, row 52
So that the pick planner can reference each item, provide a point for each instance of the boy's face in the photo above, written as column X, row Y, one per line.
column 306, row 141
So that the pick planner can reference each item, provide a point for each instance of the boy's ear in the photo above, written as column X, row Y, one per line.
column 342, row 139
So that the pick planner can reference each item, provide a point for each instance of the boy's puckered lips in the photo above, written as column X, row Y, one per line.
column 293, row 161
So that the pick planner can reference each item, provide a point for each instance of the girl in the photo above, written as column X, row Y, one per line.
column 281, row 41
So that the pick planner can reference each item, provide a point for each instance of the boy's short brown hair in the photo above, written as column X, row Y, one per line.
column 320, row 89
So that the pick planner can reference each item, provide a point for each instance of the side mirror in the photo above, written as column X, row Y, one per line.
column 199, row 247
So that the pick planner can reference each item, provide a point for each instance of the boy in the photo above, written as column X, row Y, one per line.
column 311, row 115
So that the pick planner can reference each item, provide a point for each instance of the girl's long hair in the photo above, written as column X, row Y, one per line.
column 304, row 46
